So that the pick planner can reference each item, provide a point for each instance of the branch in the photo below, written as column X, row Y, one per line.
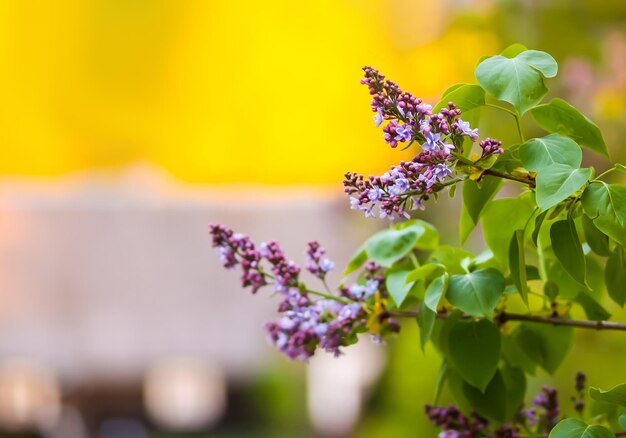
column 504, row 317
column 528, row 181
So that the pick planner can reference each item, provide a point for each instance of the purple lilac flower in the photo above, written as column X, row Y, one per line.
column 491, row 146
column 548, row 400
column 404, row 133
column 305, row 324
column 285, row 272
column 378, row 118
column 236, row 249
column 316, row 264
column 463, row 128
column 580, row 383
column 406, row 186
column 432, row 141
column 454, row 424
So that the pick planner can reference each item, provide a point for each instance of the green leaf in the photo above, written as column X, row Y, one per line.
column 574, row 428
column 559, row 182
column 538, row 223
column 514, row 356
column 551, row 290
column 545, row 345
column 466, row 97
column 616, row 395
column 515, row 383
column 451, row 257
column 560, row 117
column 357, row 260
column 568, row 250
column 500, row 219
column 622, row 420
column 441, row 379
column 388, row 246
column 541, row 61
column 436, row 289
column 596, row 239
column 615, row 277
column 517, row 263
column 603, row 411
column 490, row 403
column 605, row 204
column 476, row 293
column 474, row 351
column 398, row 287
column 513, row 50
column 424, row 272
column 475, row 196
column 428, row 236
column 567, row 287
column 592, row 308
column 518, row 80
column 441, row 331
column 426, row 321
column 541, row 153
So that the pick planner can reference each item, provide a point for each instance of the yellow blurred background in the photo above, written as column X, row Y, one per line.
column 216, row 91
column 127, row 126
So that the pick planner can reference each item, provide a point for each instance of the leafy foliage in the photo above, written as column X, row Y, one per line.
column 557, row 243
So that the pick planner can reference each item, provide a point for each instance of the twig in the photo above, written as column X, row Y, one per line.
column 504, row 317
column 528, row 181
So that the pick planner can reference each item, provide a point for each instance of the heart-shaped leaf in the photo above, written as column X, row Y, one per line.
column 518, row 80
column 616, row 395
column 540, row 153
column 559, row 182
column 397, row 286
column 605, row 204
column 545, row 345
column 436, row 289
column 474, row 351
column 596, row 239
column 490, row 403
column 568, row 250
column 560, row 117
column 500, row 219
column 476, row 293
column 517, row 263
column 615, row 276
column 465, row 96
column 574, row 428
column 475, row 196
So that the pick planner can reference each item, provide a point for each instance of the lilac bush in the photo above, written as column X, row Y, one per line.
column 541, row 245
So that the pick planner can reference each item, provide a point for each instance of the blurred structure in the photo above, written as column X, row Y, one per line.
column 30, row 396
column 337, row 387
column 185, row 394
column 111, row 279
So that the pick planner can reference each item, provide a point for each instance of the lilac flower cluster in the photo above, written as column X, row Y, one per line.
column 546, row 413
column 316, row 264
column 305, row 324
column 236, row 249
column 580, row 383
column 491, row 146
column 406, row 186
column 410, row 119
column 455, row 424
